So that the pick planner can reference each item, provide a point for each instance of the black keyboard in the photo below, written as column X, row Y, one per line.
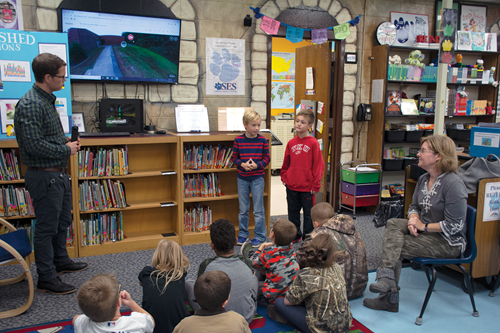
column 103, row 134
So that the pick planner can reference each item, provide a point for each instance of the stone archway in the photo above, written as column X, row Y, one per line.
column 185, row 92
column 259, row 62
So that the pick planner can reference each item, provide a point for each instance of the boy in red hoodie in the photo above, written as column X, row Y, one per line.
column 301, row 173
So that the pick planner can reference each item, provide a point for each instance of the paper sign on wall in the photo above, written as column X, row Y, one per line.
column 270, row 26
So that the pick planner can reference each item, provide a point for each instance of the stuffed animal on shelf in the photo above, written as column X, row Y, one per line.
column 395, row 60
column 415, row 59
column 480, row 63
column 459, row 58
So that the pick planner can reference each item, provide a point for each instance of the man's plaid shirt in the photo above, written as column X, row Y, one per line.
column 39, row 131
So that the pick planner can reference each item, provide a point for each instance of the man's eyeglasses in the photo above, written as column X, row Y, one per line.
column 59, row 76
column 423, row 151
column 119, row 286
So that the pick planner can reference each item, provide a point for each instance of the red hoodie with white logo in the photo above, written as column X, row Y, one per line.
column 303, row 165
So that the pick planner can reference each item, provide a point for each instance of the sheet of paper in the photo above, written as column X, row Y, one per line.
column 321, row 106
column 269, row 26
column 65, row 123
column 309, row 78
column 61, row 106
column 319, row 126
column 377, row 91
column 8, row 108
column 320, row 141
column 56, row 49
column 486, row 139
column 491, row 211
column 235, row 119
column 342, row 31
column 319, row 36
column 18, row 71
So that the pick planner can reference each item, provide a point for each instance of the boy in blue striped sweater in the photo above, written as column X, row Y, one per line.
column 251, row 156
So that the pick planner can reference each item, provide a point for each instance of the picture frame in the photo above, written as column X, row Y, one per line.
column 473, row 18
column 439, row 6
column 409, row 26
column 351, row 58
column 79, row 120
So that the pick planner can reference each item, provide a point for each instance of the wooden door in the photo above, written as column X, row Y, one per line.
column 319, row 58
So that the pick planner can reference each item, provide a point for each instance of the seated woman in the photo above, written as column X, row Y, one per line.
column 436, row 225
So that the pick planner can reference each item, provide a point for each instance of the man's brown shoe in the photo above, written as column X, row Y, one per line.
column 72, row 267
column 55, row 286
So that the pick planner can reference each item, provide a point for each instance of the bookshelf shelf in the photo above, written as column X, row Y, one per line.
column 10, row 182
column 186, row 171
column 18, row 217
column 141, row 174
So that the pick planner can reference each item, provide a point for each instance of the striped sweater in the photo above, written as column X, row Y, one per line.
column 256, row 149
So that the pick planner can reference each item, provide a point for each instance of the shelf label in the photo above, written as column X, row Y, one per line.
column 165, row 173
column 166, row 204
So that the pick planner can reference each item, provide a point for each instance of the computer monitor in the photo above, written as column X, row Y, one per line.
column 121, row 115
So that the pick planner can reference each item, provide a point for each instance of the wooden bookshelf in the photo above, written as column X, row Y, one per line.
column 225, row 206
column 155, row 177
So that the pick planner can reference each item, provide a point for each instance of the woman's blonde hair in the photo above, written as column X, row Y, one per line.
column 445, row 147
column 170, row 262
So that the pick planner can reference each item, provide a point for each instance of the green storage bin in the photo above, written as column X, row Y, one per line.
column 364, row 177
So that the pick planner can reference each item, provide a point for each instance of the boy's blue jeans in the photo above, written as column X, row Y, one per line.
column 256, row 187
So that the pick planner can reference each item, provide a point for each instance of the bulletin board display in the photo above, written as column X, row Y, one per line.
column 17, row 50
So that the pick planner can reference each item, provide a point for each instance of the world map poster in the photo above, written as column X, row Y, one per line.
column 283, row 66
column 282, row 95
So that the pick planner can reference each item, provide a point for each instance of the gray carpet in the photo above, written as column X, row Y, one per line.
column 51, row 308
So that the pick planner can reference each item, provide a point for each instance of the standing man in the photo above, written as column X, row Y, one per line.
column 45, row 150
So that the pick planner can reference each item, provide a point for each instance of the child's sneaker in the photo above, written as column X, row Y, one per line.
column 241, row 240
column 246, row 249
column 256, row 242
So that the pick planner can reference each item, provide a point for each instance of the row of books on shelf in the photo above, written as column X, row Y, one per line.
column 468, row 75
column 101, row 228
column 15, row 201
column 99, row 195
column 9, row 168
column 29, row 226
column 103, row 162
column 458, row 104
column 207, row 157
column 197, row 218
column 202, row 185
column 412, row 73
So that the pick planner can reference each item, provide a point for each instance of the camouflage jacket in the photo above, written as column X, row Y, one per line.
column 323, row 291
column 350, row 255
column 279, row 264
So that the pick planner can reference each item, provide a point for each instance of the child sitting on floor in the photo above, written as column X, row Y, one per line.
column 212, row 294
column 100, row 300
column 163, row 286
column 239, row 269
column 351, row 253
column 321, row 286
column 276, row 261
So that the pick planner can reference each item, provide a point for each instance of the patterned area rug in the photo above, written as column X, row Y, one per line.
column 260, row 324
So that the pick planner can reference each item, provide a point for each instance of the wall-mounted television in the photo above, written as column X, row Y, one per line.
column 121, row 48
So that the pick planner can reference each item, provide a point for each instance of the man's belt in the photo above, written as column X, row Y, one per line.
column 53, row 169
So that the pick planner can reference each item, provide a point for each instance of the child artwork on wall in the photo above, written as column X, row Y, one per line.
column 491, row 42
column 409, row 26
column 464, row 40
column 478, row 41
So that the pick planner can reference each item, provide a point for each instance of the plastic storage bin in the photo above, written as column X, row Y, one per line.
column 409, row 161
column 361, row 201
column 348, row 188
column 413, row 136
column 368, row 177
column 392, row 164
column 396, row 135
column 459, row 134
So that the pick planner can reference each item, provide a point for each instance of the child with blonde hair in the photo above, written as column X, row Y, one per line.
column 163, row 285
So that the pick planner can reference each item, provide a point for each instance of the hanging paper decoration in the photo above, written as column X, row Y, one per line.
column 270, row 26
column 342, row 31
column 294, row 35
column 319, row 36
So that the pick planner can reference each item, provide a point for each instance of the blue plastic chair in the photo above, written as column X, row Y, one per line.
column 430, row 264
column 16, row 246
